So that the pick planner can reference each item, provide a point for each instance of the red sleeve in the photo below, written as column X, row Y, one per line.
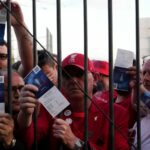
column 27, row 136
column 121, row 128
column 44, row 123
column 93, row 146
column 121, row 119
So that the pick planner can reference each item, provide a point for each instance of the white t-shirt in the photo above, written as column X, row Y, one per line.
column 145, row 133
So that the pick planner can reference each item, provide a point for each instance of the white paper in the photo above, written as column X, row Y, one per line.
column 54, row 101
column 3, row 16
column 48, row 95
column 124, row 58
column 2, row 107
column 2, row 103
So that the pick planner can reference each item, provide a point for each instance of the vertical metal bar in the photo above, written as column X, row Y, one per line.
column 34, row 32
column 58, row 14
column 9, row 57
column 59, row 44
column 35, row 62
column 138, row 74
column 110, row 47
column 85, row 74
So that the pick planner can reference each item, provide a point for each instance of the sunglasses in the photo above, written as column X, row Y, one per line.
column 3, row 56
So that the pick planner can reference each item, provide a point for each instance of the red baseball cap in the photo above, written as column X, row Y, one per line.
column 101, row 67
column 77, row 59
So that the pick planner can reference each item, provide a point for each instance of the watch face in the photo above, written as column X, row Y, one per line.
column 79, row 144
column 13, row 142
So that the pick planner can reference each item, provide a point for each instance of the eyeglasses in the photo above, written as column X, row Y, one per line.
column 3, row 56
column 15, row 88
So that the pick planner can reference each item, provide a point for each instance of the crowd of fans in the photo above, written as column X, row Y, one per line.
column 17, row 129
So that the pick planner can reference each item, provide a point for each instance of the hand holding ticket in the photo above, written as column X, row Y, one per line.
column 48, row 95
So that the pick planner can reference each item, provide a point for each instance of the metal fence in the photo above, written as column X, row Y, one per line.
column 59, row 54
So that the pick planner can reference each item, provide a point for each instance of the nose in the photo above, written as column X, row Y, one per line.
column 16, row 93
column 73, row 79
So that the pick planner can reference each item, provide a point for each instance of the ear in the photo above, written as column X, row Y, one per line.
column 55, row 65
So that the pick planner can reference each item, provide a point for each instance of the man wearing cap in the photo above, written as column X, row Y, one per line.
column 101, row 73
column 74, row 65
column 69, row 129
column 101, row 77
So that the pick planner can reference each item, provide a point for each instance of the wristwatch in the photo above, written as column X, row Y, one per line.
column 78, row 144
column 12, row 144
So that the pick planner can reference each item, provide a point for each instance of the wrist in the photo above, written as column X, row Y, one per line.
column 10, row 144
column 24, row 119
column 78, row 145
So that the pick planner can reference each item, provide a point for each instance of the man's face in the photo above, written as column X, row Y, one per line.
column 72, row 86
column 17, row 84
column 3, row 56
column 98, row 85
column 51, row 72
column 146, row 75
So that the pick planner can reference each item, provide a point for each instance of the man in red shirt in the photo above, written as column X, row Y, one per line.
column 101, row 77
column 69, row 129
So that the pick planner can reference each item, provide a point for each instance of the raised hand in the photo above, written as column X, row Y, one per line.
column 6, row 129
